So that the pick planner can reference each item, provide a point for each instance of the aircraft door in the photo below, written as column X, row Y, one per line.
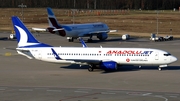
column 39, row 54
column 156, row 56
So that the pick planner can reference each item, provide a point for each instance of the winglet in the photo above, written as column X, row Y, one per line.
column 24, row 36
column 55, row 54
column 83, row 43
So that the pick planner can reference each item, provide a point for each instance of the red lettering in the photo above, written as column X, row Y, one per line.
column 120, row 52
column 109, row 52
column 138, row 52
column 123, row 52
column 133, row 52
column 129, row 52
column 114, row 52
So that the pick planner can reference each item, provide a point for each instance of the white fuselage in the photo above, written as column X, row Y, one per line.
column 82, row 30
column 122, row 56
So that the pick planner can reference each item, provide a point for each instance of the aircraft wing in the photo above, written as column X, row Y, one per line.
column 45, row 30
column 9, row 48
column 85, row 61
column 39, row 29
column 111, row 31
column 17, row 49
column 95, row 32
column 58, row 29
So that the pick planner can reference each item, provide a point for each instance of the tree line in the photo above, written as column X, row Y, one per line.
column 94, row 4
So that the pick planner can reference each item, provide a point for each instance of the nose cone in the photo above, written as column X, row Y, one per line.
column 173, row 59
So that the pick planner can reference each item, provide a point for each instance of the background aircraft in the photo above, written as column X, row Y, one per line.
column 74, row 31
column 97, row 57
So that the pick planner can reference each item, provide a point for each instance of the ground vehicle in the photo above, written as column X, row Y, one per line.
column 160, row 38
column 166, row 38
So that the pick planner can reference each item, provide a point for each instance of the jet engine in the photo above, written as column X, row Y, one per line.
column 125, row 37
column 108, row 65
column 12, row 36
column 102, row 36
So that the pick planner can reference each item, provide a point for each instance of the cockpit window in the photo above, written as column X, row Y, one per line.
column 167, row 54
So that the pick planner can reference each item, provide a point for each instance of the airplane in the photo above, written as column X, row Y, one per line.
column 95, row 57
column 74, row 31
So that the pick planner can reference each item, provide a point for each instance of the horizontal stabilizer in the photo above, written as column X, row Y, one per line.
column 9, row 48
column 39, row 29
column 111, row 31
column 58, row 29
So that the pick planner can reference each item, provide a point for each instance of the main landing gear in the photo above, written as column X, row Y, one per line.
column 70, row 39
column 90, row 39
column 91, row 68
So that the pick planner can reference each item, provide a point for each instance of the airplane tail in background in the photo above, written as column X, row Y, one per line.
column 54, row 25
column 52, row 19
column 24, row 37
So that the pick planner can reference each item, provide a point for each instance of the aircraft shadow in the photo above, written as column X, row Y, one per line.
column 74, row 66
column 100, row 41
column 114, row 40
column 128, row 68
column 4, row 38
column 136, row 68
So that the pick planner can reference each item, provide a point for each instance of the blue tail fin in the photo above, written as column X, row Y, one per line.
column 83, row 43
column 55, row 54
column 24, row 36
column 52, row 19
column 53, row 23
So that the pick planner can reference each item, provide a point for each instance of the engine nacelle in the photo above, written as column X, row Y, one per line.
column 108, row 65
column 102, row 36
column 12, row 36
column 50, row 29
column 125, row 37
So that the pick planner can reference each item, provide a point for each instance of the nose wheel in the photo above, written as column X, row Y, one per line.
column 159, row 69
column 90, row 69
column 70, row 39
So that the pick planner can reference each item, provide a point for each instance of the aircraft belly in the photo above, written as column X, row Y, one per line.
column 57, row 61
column 73, row 33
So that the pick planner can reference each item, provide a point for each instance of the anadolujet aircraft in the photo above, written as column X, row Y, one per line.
column 74, row 31
column 97, row 57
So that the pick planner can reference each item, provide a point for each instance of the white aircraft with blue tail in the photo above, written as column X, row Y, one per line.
column 95, row 57
column 74, row 31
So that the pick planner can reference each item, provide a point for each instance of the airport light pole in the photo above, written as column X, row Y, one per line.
column 74, row 3
column 22, row 11
column 157, row 22
column 94, row 4
column 157, row 18
column 73, row 10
